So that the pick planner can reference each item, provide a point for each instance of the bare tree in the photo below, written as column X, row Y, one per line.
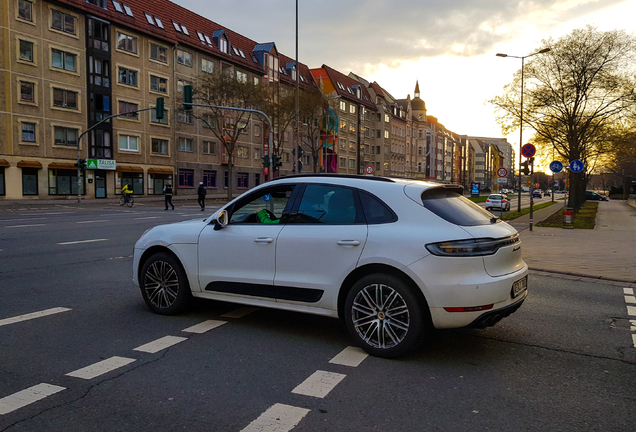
column 573, row 93
column 279, row 104
column 313, row 106
column 225, row 90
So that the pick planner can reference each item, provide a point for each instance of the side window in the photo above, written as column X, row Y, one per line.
column 329, row 205
column 375, row 210
column 274, row 200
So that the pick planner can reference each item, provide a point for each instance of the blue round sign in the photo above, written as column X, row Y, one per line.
column 556, row 166
column 266, row 198
column 576, row 166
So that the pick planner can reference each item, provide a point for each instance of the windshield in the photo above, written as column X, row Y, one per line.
column 455, row 208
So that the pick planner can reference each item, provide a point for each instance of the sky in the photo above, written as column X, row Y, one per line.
column 448, row 45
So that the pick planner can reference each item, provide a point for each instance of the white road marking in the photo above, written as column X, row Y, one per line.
column 159, row 344
column 24, row 226
column 32, row 315
column 22, row 219
column 240, row 312
column 82, row 241
column 100, row 368
column 350, row 356
column 59, row 213
column 27, row 396
column 204, row 326
column 278, row 418
column 628, row 291
column 319, row 384
column 147, row 217
column 634, row 339
column 633, row 325
column 630, row 299
column 631, row 310
column 93, row 221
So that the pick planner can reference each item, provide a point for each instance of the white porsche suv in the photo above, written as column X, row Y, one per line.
column 393, row 258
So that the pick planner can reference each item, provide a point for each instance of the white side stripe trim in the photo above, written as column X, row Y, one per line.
column 278, row 418
column 32, row 315
column 100, row 368
column 319, row 384
column 27, row 396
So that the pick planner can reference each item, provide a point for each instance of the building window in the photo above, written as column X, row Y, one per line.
column 386, row 118
column 63, row 182
column 223, row 45
column 65, row 136
column 64, row 98
column 186, row 178
column 136, row 180
column 242, row 152
column 352, row 108
column 343, row 125
column 209, row 178
column 343, row 106
column 352, row 127
column 180, row 84
column 352, row 163
column 158, row 84
column 3, row 191
column 241, row 77
column 343, row 162
column 29, row 181
column 257, row 179
column 386, row 134
column 128, row 107
column 127, row 76
column 159, row 53
column 63, row 60
column 98, row 35
column 99, row 71
column 62, row 22
column 352, row 146
column 154, row 119
column 27, row 92
column 257, row 130
column 207, row 66
column 185, row 144
column 28, row 132
column 184, row 58
column 128, row 143
column 26, row 51
column 184, row 116
column 159, row 146
column 25, row 10
column 99, row 3
column 127, row 43
column 243, row 180
column 209, row 147
column 257, row 154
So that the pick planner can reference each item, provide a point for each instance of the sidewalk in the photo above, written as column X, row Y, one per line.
column 606, row 252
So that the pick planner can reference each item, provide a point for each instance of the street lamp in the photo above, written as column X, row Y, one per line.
column 544, row 50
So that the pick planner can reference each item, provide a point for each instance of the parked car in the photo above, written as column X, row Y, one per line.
column 537, row 193
column 548, row 192
column 393, row 258
column 593, row 196
column 499, row 201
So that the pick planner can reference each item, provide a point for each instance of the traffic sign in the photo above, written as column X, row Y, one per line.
column 528, row 150
column 502, row 172
column 556, row 166
column 369, row 169
column 576, row 166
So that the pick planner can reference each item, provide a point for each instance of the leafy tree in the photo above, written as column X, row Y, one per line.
column 621, row 158
column 226, row 125
column 573, row 94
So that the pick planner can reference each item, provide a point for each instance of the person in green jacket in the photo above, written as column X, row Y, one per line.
column 263, row 217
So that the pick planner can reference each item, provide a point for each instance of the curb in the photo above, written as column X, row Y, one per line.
column 565, row 273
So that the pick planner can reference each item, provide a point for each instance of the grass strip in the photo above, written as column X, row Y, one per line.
column 516, row 214
column 585, row 218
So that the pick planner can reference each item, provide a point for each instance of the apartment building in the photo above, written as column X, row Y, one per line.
column 70, row 64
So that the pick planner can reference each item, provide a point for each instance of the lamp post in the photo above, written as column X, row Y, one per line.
column 545, row 50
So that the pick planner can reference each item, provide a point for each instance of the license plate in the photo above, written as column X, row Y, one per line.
column 520, row 286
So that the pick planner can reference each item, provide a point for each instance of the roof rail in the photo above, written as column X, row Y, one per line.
column 334, row 175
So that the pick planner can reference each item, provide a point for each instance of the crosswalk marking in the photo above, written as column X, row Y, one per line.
column 350, row 356
column 100, row 368
column 319, row 384
column 32, row 315
column 27, row 396
column 204, row 326
column 278, row 418
column 628, row 291
column 160, row 344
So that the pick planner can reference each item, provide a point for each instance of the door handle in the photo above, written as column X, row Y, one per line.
column 263, row 239
column 348, row 242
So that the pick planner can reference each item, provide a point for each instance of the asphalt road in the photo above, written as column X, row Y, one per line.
column 565, row 361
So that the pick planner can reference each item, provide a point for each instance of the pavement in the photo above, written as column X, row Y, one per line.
column 606, row 253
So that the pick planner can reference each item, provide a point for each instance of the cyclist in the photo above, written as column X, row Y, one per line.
column 127, row 193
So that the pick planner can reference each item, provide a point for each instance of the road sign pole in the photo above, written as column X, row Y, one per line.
column 531, row 191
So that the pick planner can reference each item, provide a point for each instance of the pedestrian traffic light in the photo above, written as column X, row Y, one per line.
column 525, row 169
column 276, row 163
column 265, row 160
column 160, row 110
column 82, row 164
column 187, row 97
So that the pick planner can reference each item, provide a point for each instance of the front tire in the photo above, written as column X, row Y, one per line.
column 384, row 316
column 164, row 284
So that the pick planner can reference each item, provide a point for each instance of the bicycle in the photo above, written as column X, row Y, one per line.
column 130, row 202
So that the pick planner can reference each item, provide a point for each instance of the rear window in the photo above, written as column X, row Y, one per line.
column 495, row 197
column 455, row 208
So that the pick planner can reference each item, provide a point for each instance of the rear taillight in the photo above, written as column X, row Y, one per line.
column 473, row 247
column 503, row 201
column 487, row 200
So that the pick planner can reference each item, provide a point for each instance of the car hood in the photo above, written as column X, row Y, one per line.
column 178, row 232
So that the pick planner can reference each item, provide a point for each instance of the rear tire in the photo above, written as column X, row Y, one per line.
column 384, row 316
column 122, row 201
column 164, row 284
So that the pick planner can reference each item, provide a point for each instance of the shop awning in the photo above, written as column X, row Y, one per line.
column 4, row 163
column 62, row 165
column 128, row 168
column 159, row 171
column 29, row 164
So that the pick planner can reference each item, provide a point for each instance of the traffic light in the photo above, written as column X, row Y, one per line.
column 276, row 163
column 160, row 110
column 525, row 169
column 187, row 97
column 301, row 152
column 265, row 160
column 82, row 164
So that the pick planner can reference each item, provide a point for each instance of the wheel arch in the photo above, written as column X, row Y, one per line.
column 368, row 269
column 155, row 250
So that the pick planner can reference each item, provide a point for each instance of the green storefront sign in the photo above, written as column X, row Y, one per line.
column 101, row 164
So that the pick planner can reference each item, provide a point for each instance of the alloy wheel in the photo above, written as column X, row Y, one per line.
column 161, row 283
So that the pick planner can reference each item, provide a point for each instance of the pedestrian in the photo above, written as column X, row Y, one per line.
column 202, row 191
column 167, row 191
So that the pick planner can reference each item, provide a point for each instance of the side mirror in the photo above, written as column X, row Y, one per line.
column 220, row 220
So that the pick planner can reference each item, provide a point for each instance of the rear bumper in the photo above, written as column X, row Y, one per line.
column 491, row 318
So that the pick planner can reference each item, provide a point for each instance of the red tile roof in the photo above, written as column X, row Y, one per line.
column 347, row 83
